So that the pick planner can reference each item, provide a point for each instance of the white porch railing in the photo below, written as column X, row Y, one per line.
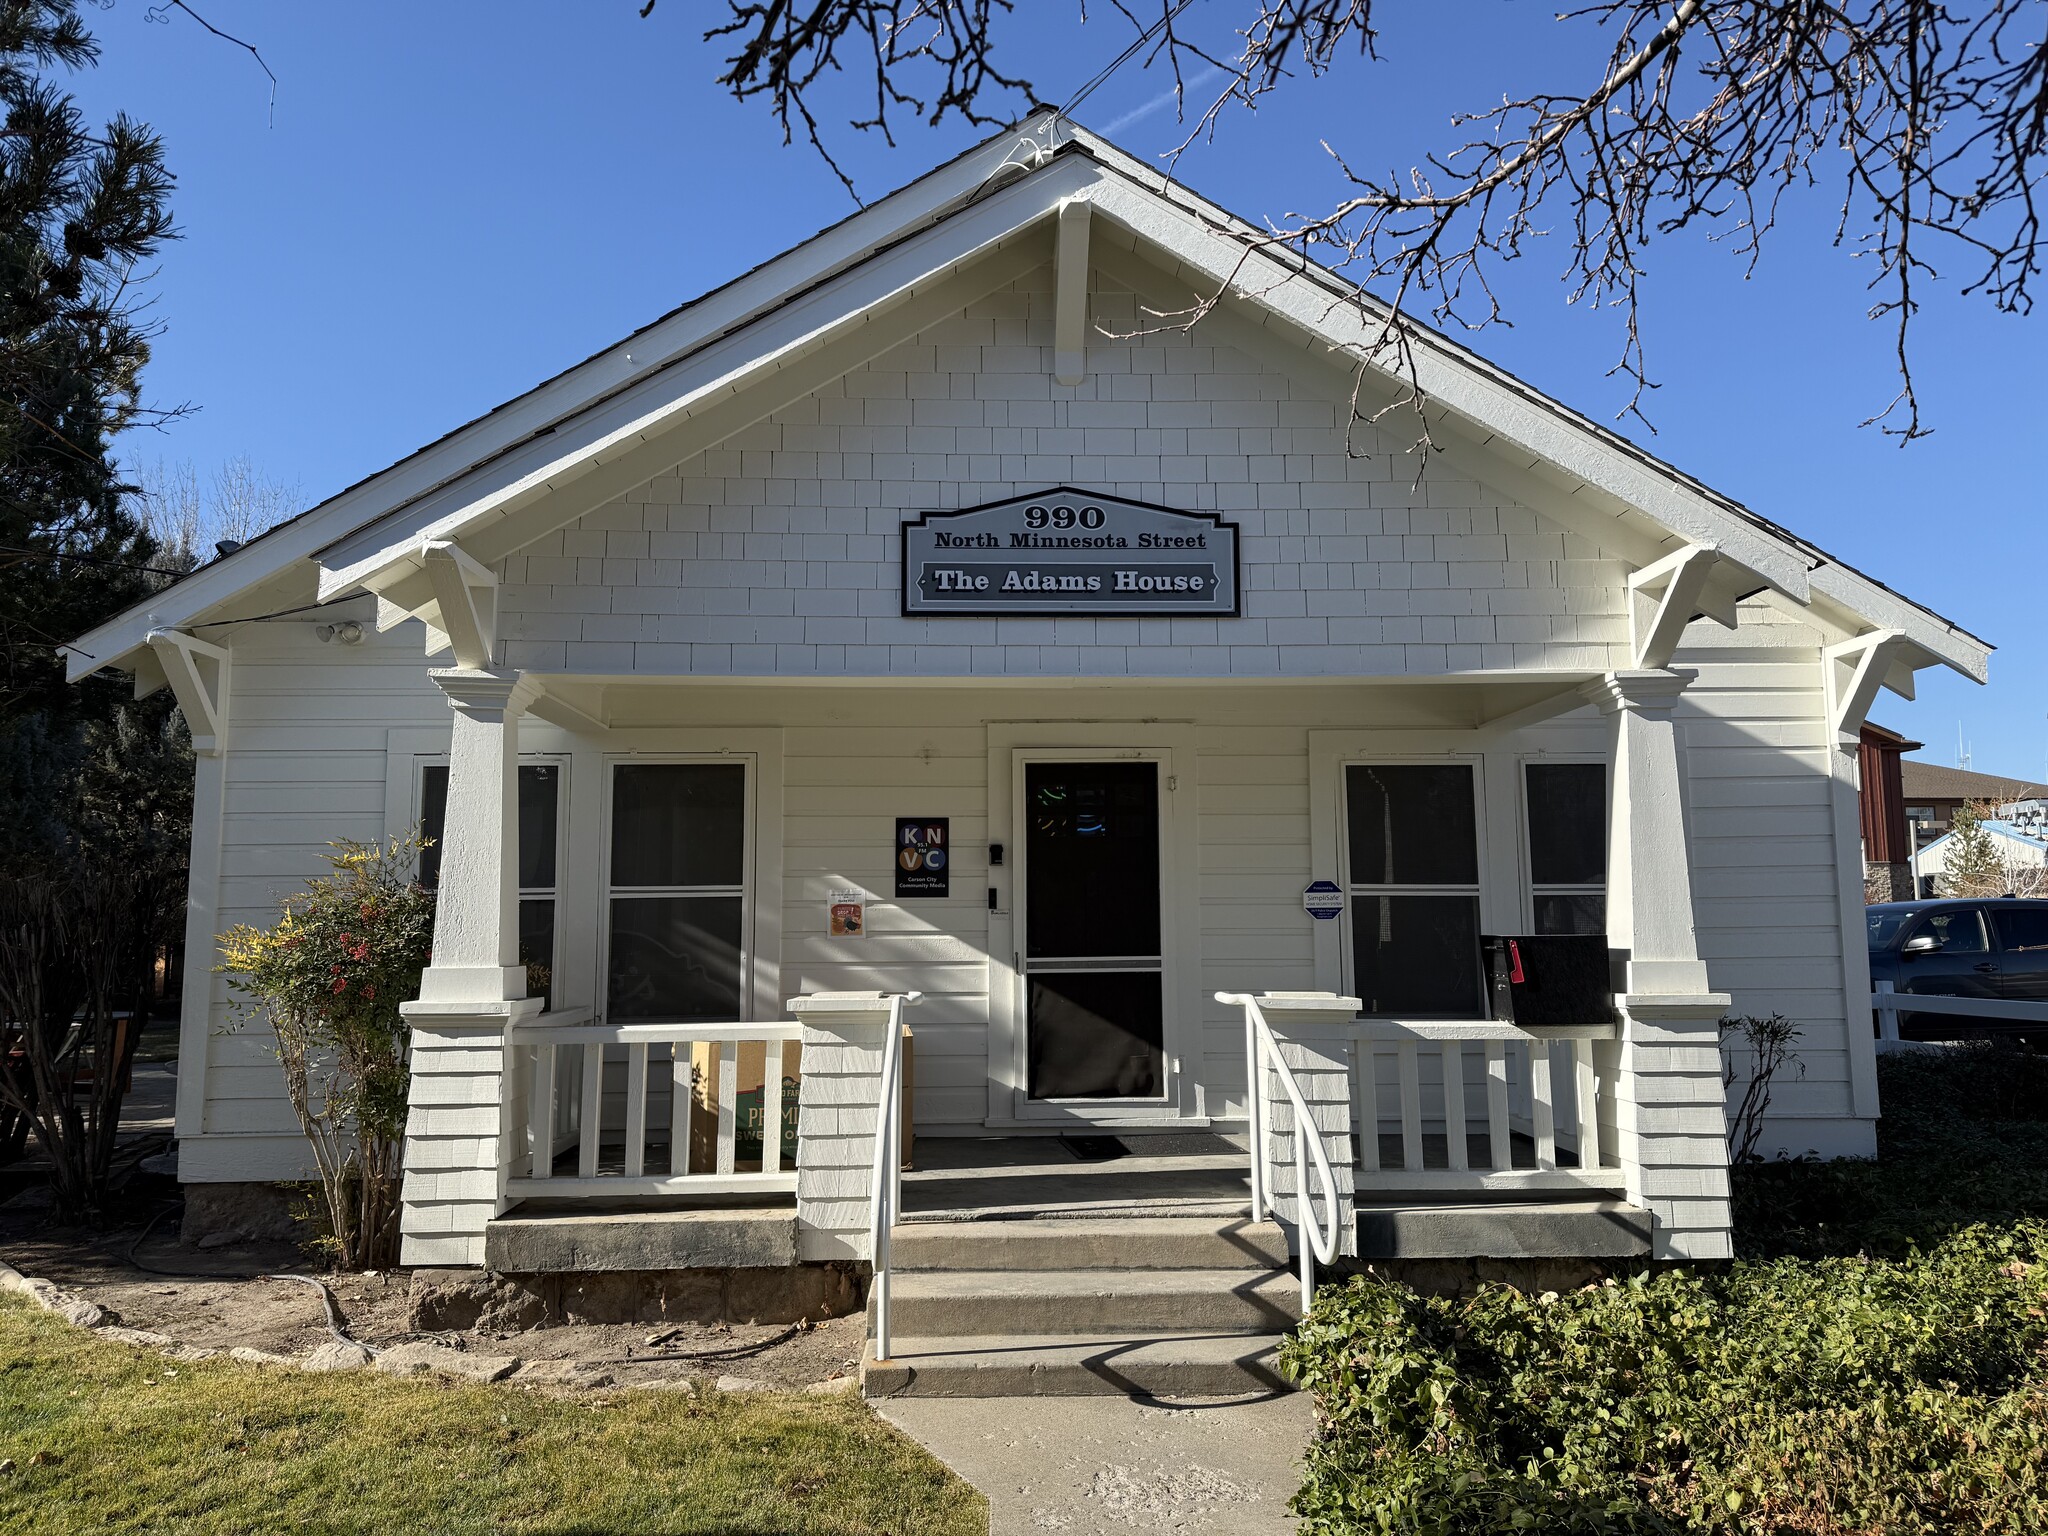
column 885, row 1186
column 562, row 1068
column 1889, row 1004
column 1318, row 1238
column 1542, row 1103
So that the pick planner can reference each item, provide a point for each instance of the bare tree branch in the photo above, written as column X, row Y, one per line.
column 1927, row 120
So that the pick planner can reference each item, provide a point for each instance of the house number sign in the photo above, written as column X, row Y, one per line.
column 1070, row 552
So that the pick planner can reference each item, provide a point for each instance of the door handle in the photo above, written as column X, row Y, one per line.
column 1984, row 965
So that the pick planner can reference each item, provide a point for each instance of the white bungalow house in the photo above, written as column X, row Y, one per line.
column 920, row 614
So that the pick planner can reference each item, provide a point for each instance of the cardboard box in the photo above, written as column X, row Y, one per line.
column 749, row 1101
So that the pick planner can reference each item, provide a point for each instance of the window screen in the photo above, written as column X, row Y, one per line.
column 1566, row 806
column 1413, row 842
column 676, row 951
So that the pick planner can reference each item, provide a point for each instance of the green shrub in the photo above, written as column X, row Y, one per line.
column 1833, row 1395
column 1964, row 1139
column 1880, row 1365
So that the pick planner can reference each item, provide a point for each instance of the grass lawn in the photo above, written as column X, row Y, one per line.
column 108, row 1437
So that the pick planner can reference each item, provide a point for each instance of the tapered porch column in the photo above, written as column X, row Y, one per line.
column 1670, row 1121
column 458, row 1144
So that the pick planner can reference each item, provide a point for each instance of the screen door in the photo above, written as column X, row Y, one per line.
column 1093, row 982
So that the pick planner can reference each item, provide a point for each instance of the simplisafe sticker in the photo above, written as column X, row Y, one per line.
column 1322, row 900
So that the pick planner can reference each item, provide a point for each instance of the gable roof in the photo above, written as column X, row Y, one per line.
column 1936, row 781
column 2003, row 830
column 710, row 364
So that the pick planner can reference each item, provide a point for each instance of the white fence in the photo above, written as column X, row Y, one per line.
column 562, row 1070
column 1985, row 1010
column 1485, row 1106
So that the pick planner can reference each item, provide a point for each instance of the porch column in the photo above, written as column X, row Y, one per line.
column 459, row 1142
column 838, row 1107
column 1315, row 1032
column 1669, row 1112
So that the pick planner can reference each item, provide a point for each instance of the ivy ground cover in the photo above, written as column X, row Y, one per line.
column 1877, row 1361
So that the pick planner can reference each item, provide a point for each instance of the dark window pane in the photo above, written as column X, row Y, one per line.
column 1417, row 954
column 1567, row 823
column 539, row 786
column 674, row 958
column 433, row 821
column 1571, row 914
column 1412, row 825
column 1092, row 867
column 1096, row 1035
column 679, row 824
column 2021, row 928
column 537, row 947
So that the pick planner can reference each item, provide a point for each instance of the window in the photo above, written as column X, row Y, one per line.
column 1955, row 932
column 2021, row 928
column 539, row 829
column 1567, row 815
column 1413, row 867
column 675, row 951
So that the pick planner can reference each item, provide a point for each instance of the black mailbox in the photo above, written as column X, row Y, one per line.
column 1538, row 979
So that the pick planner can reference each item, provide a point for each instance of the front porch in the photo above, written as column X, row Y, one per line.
column 1147, row 1260
column 1119, row 1154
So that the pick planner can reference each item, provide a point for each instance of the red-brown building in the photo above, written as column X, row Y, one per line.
column 1887, row 835
column 1904, row 802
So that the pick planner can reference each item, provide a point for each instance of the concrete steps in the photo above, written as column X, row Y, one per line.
column 1138, row 1242
column 1162, row 1305
column 1103, row 1302
column 1225, row 1365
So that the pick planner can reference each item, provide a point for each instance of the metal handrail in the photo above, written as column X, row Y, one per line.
column 885, row 1188
column 1318, row 1239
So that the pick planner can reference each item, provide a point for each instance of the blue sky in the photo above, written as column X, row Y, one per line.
column 454, row 201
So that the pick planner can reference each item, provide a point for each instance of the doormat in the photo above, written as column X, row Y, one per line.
column 1094, row 1149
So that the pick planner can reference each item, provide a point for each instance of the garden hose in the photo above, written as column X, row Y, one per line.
column 337, row 1324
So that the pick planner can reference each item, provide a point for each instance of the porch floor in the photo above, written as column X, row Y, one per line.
column 1023, row 1178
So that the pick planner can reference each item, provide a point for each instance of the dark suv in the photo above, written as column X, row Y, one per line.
column 1961, row 948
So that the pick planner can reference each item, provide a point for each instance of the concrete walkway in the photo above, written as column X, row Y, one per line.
column 1198, row 1466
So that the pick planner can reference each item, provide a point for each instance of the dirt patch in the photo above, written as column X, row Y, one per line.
column 214, row 1298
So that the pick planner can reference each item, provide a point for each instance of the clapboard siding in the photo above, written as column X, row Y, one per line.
column 1765, row 873
column 306, row 765
column 1763, row 850
column 1254, row 799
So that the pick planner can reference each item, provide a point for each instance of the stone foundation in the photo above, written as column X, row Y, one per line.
column 218, row 1214
column 474, row 1298
column 1888, row 882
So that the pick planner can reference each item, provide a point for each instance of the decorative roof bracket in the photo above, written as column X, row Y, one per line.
column 197, row 673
